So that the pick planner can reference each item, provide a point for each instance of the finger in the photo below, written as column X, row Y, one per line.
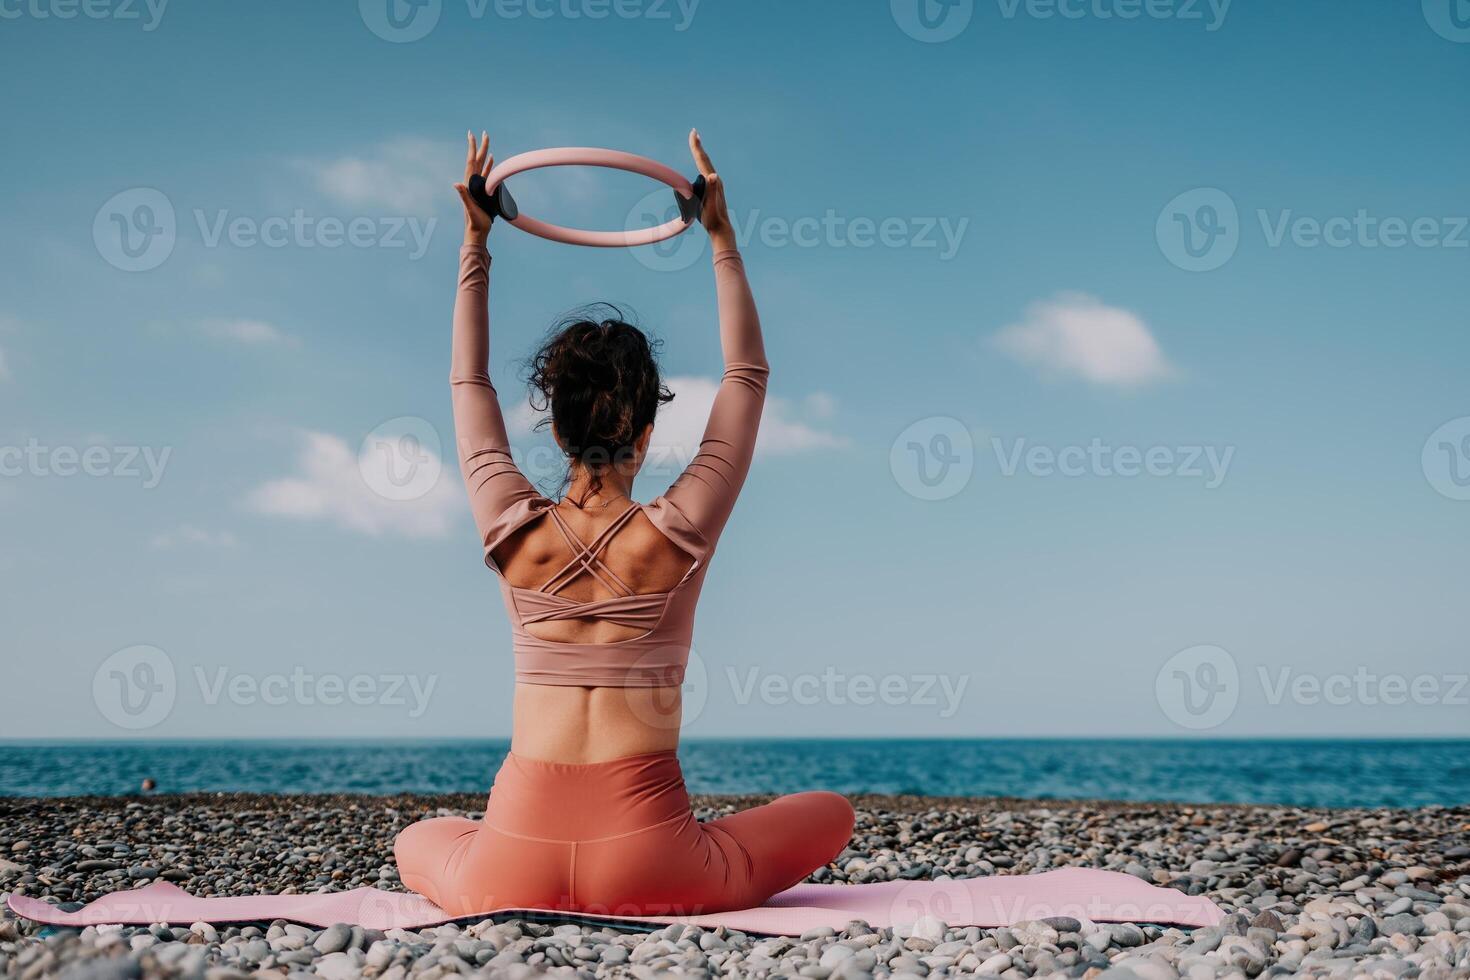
column 701, row 158
column 489, row 166
column 469, row 202
column 469, row 160
column 484, row 146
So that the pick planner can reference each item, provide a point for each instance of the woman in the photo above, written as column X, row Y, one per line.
column 589, row 812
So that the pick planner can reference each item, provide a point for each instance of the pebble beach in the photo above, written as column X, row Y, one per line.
column 1319, row 893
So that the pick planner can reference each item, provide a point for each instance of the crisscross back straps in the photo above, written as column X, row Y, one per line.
column 588, row 557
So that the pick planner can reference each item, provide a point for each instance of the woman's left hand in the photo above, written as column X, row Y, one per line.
column 479, row 161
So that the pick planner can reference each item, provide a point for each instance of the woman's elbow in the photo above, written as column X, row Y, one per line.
column 751, row 374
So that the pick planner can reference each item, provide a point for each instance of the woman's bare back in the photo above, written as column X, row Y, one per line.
column 638, row 554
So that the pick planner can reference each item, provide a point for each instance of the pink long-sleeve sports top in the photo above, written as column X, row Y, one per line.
column 691, row 514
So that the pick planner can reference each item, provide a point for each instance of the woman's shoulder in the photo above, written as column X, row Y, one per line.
column 665, row 515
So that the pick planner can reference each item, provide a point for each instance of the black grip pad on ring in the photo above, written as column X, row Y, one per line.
column 497, row 205
column 692, row 208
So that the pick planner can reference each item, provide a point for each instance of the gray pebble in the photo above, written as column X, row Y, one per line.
column 1404, row 924
column 333, row 939
column 1288, row 913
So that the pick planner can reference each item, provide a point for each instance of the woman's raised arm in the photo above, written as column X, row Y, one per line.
column 706, row 491
column 491, row 476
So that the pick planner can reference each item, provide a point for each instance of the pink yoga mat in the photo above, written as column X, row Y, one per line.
column 1080, row 893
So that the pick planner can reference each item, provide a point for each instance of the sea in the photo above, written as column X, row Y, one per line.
column 1316, row 773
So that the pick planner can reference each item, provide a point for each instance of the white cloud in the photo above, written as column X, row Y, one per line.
column 191, row 535
column 411, row 176
column 821, row 405
column 406, row 175
column 335, row 486
column 522, row 418
column 787, row 428
column 253, row 333
column 1075, row 335
column 565, row 186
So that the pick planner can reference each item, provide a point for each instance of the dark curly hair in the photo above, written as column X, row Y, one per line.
column 599, row 377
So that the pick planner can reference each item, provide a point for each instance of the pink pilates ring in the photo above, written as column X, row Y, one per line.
column 491, row 194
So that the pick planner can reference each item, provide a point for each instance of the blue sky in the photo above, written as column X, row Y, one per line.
column 971, row 259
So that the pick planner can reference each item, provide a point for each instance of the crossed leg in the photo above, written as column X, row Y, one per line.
column 679, row 867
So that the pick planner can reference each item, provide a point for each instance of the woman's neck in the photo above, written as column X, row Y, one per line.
column 589, row 491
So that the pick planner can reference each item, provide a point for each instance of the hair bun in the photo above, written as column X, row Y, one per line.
column 598, row 376
column 592, row 364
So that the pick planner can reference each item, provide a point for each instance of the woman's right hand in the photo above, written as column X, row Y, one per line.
column 479, row 161
column 716, row 216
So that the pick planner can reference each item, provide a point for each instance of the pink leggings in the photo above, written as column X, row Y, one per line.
column 616, row 838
